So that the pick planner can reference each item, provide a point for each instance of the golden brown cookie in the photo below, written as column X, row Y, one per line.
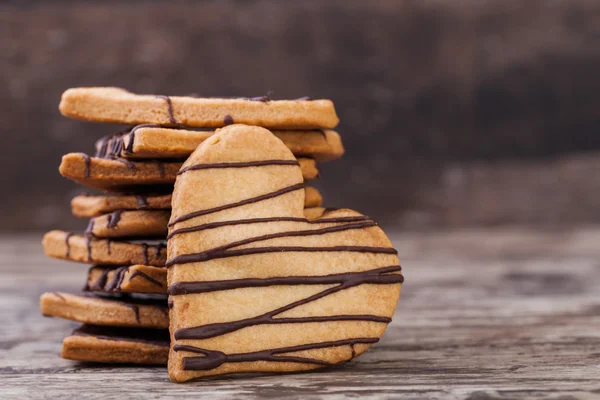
column 117, row 345
column 149, row 141
column 118, row 174
column 255, row 285
column 123, row 175
column 134, row 223
column 108, row 104
column 67, row 246
column 94, row 206
column 89, row 309
column 127, row 279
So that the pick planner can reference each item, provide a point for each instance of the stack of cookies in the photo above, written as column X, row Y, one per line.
column 123, row 305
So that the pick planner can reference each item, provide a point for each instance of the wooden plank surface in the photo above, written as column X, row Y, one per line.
column 484, row 314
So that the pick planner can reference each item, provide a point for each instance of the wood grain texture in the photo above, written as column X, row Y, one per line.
column 484, row 314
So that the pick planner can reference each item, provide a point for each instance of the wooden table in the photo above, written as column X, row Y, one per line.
column 484, row 314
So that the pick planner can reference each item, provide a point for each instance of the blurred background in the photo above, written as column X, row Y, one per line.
column 453, row 113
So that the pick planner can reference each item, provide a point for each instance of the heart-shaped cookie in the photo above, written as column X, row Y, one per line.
column 255, row 284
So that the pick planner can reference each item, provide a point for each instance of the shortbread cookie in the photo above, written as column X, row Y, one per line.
column 93, row 206
column 89, row 309
column 122, row 175
column 254, row 285
column 117, row 174
column 150, row 141
column 117, row 345
column 135, row 223
column 127, row 279
column 67, row 246
column 88, row 206
column 109, row 104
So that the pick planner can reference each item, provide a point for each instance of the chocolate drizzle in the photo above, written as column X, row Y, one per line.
column 67, row 237
column 60, row 296
column 158, row 249
column 110, row 146
column 334, row 283
column 88, row 163
column 213, row 359
column 221, row 251
column 89, row 235
column 161, row 168
column 228, row 120
column 169, row 109
column 117, row 281
column 382, row 275
column 379, row 276
column 145, row 252
column 142, row 202
column 103, row 285
column 205, row 256
column 113, row 219
column 91, row 240
column 260, row 163
column 213, row 225
column 129, row 148
column 266, row 196
column 145, row 276
column 88, row 243
column 100, row 283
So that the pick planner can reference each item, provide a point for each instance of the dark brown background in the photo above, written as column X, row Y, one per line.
column 454, row 113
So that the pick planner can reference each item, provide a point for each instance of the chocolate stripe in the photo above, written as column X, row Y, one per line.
column 238, row 165
column 212, row 330
column 371, row 276
column 213, row 225
column 117, row 280
column 213, row 359
column 142, row 202
column 145, row 276
column 157, row 337
column 256, row 199
column 67, row 237
column 200, row 257
column 100, row 284
column 113, row 219
column 88, row 163
column 169, row 109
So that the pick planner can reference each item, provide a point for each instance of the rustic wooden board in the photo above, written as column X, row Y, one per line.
column 484, row 314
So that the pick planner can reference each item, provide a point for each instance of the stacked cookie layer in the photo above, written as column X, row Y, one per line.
column 123, row 305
